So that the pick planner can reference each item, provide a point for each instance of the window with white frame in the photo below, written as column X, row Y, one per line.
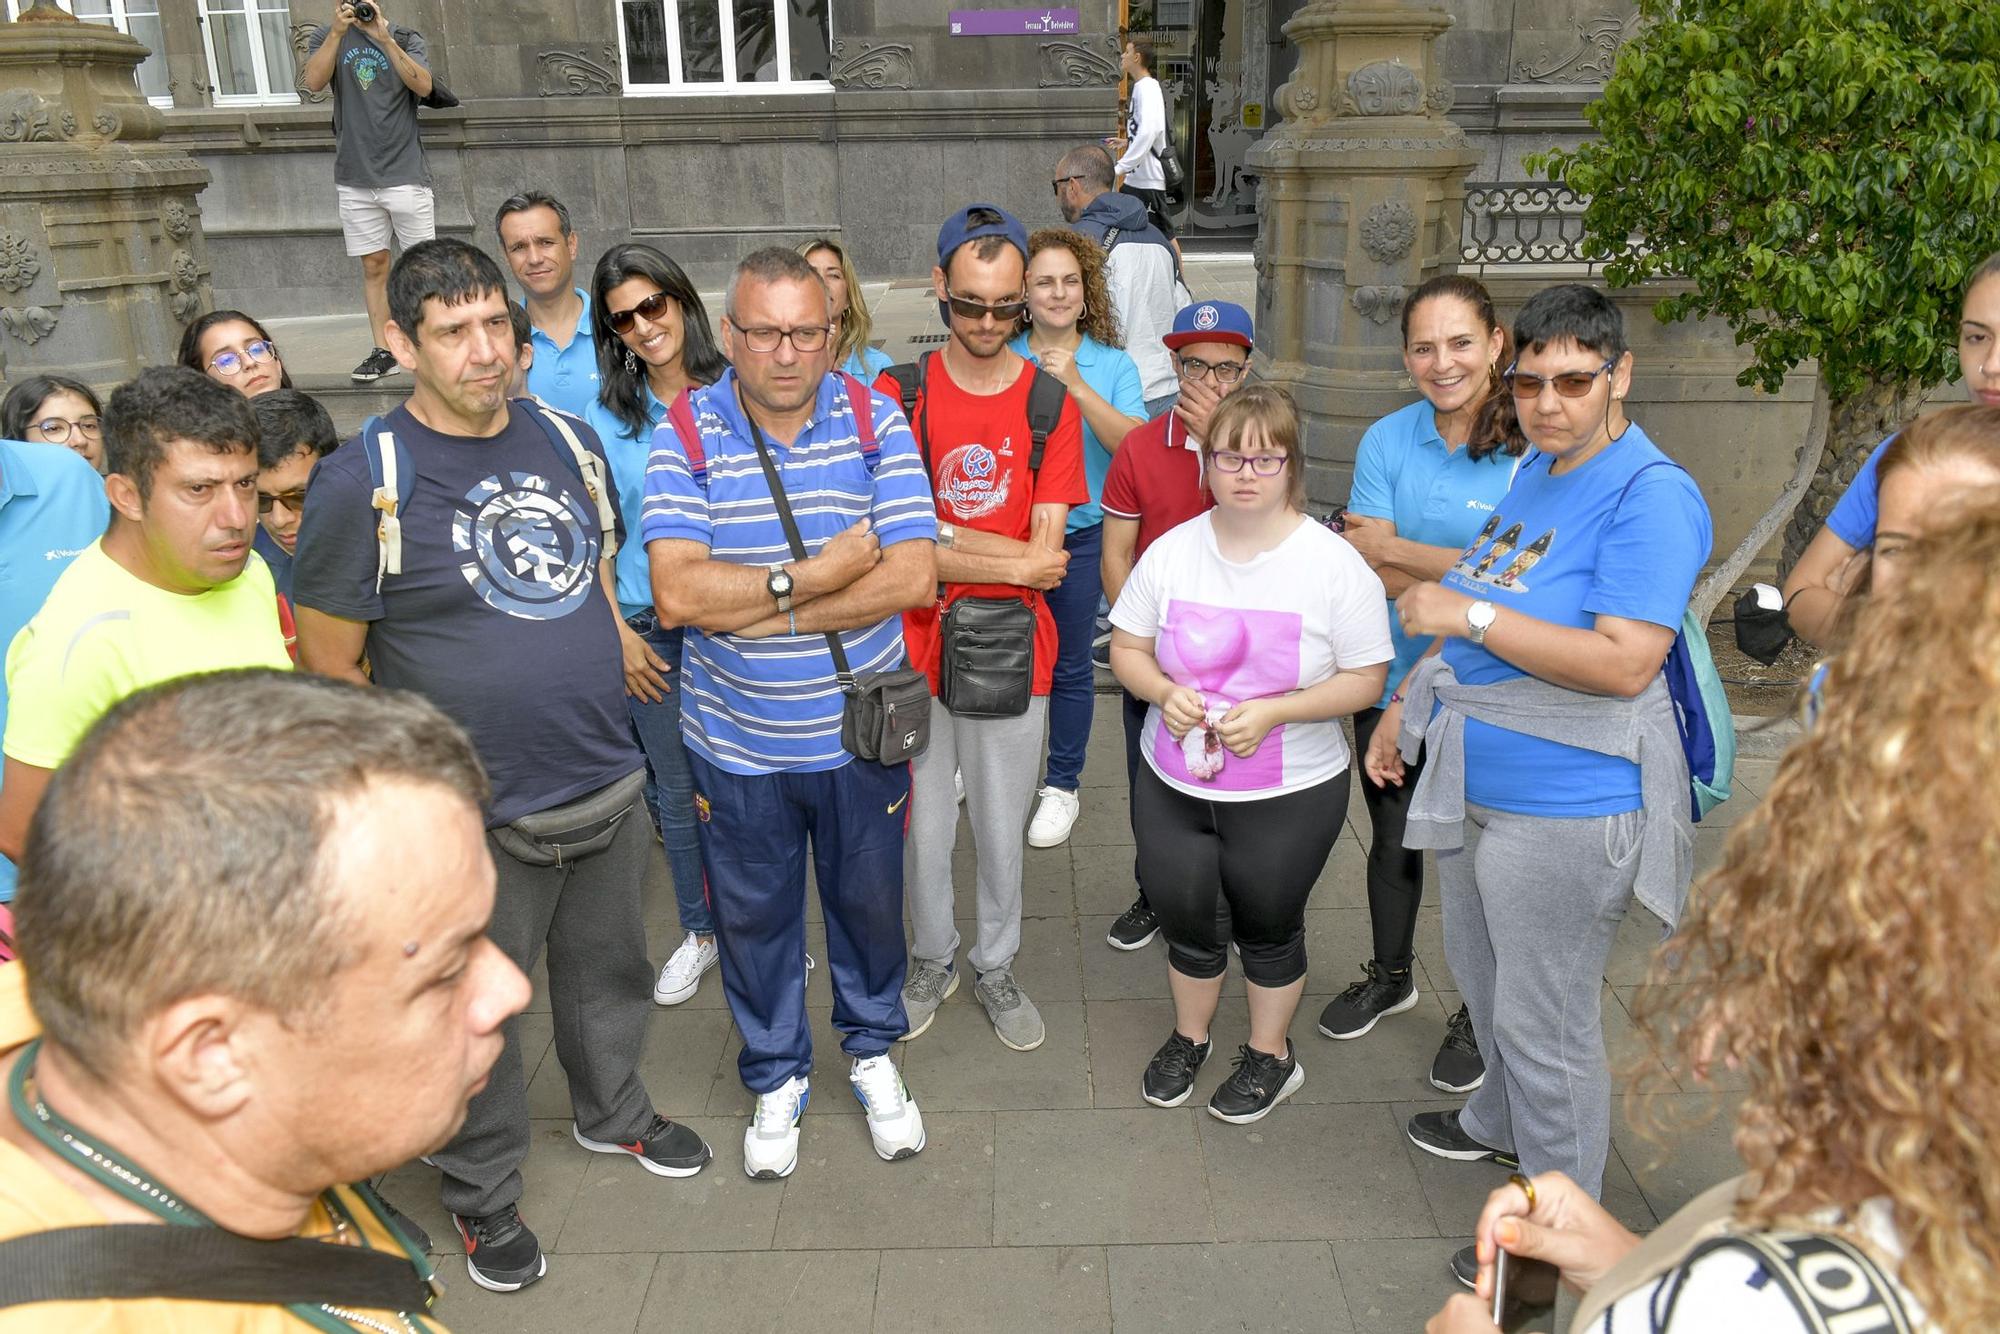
column 249, row 46
column 706, row 46
column 134, row 18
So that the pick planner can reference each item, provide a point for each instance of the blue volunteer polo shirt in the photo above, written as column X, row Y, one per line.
column 1440, row 497
column 1113, row 377
column 52, row 506
column 627, row 450
column 760, row 706
column 1853, row 518
column 565, row 376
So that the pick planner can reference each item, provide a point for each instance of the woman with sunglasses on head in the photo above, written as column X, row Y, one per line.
column 231, row 348
column 851, row 351
column 55, row 410
column 1250, row 631
column 1425, row 478
column 653, row 341
column 1071, row 331
column 1554, row 787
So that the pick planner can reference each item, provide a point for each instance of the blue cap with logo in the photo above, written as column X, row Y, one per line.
column 1210, row 322
column 960, row 228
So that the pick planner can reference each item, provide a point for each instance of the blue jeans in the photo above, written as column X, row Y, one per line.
column 669, row 784
column 1073, row 603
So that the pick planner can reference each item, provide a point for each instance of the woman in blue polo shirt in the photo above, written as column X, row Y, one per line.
column 653, row 340
column 1426, row 478
column 1072, row 333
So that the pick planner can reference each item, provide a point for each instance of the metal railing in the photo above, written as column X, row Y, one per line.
column 1523, row 222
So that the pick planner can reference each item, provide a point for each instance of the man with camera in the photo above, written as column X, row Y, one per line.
column 378, row 74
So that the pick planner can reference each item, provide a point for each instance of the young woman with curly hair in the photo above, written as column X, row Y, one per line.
column 851, row 351
column 1071, row 331
column 1842, row 956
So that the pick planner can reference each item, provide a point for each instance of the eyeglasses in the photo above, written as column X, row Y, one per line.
column 1569, row 384
column 967, row 309
column 255, row 352
column 294, row 501
column 1061, row 181
column 805, row 338
column 1264, row 465
column 1225, row 372
column 57, row 430
column 652, row 308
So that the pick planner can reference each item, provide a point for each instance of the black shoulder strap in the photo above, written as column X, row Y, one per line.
column 842, row 671
column 137, row 1261
column 1803, row 1263
column 909, row 378
column 1046, row 396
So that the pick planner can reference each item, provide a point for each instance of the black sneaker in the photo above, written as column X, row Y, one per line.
column 1531, row 1284
column 1354, row 1011
column 1170, row 1074
column 1439, row 1133
column 666, row 1149
column 374, row 366
column 1458, row 1067
column 1259, row 1083
column 500, row 1253
column 1135, row 927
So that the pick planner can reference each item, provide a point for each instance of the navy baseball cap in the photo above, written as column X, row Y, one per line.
column 959, row 228
column 1210, row 322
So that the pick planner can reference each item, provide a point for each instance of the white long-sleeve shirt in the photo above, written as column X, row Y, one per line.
column 1145, row 133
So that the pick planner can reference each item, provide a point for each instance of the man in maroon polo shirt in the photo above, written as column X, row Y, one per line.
column 1154, row 485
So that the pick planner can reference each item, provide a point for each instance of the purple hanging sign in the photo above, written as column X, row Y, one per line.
column 1013, row 22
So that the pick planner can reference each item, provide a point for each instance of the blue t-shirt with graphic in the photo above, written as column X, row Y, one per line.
column 1613, row 537
column 1437, row 496
column 1853, row 518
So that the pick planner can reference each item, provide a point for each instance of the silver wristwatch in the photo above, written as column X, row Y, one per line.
column 947, row 535
column 1479, row 619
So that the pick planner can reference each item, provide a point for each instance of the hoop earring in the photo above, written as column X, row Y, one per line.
column 631, row 362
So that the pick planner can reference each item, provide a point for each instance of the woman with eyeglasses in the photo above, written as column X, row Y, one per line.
column 1425, row 478
column 1554, row 786
column 231, row 348
column 851, row 351
column 653, row 341
column 55, row 410
column 1250, row 631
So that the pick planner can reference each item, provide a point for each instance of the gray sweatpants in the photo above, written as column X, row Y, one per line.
column 1001, row 759
column 1531, row 906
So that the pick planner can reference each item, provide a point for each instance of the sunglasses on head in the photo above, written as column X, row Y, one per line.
column 654, row 306
column 967, row 309
column 294, row 501
column 257, row 351
column 1569, row 384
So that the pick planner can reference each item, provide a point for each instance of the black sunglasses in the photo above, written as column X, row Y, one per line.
column 621, row 321
column 966, row 308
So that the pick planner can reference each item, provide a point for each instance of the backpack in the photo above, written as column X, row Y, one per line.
column 1046, row 396
column 680, row 414
column 392, row 473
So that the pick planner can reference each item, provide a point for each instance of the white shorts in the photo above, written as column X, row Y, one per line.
column 366, row 216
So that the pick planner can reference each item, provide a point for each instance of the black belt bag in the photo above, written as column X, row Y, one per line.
column 986, row 666
column 887, row 717
column 571, row 832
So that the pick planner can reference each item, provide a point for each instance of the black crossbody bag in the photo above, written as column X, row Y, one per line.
column 885, row 716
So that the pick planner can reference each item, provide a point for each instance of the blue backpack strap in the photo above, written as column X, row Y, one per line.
column 680, row 414
column 391, row 476
column 863, row 407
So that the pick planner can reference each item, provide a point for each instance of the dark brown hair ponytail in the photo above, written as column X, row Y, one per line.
column 1495, row 426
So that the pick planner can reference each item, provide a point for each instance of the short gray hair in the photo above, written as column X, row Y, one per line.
column 774, row 264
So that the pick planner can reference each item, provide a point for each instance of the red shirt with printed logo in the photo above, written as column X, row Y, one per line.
column 976, row 448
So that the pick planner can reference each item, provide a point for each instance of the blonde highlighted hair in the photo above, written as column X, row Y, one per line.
column 855, row 323
column 1264, row 410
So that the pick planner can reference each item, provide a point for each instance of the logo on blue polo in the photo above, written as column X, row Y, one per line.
column 527, row 547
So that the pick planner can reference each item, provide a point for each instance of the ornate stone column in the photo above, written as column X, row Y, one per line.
column 101, row 255
column 1362, row 183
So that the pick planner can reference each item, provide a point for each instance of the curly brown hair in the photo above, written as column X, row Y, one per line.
column 1844, row 953
column 1099, row 320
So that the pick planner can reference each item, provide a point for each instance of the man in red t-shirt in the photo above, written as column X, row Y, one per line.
column 1000, row 536
column 1155, row 484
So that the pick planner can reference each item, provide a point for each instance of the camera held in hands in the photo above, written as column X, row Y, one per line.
column 363, row 12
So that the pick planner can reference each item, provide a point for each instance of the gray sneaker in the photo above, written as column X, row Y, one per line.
column 923, row 991
column 1016, row 1021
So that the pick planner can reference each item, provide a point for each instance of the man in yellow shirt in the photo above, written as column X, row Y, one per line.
column 172, row 588
column 253, row 920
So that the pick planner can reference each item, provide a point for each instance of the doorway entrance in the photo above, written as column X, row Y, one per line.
column 1214, row 74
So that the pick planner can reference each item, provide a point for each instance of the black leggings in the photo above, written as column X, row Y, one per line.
column 1395, row 874
column 1260, row 857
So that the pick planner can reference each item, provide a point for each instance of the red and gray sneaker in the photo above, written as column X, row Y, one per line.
column 665, row 1149
column 500, row 1253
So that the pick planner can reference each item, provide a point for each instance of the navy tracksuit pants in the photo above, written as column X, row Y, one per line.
column 755, row 832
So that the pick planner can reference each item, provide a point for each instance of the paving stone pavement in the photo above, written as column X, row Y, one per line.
column 1049, row 1198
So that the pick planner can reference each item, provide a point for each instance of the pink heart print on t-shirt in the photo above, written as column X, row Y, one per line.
column 1229, row 655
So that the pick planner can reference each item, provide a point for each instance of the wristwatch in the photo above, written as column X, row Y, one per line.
column 1479, row 619
column 947, row 535
column 779, row 581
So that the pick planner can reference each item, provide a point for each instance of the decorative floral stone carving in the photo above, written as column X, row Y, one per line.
column 574, row 74
column 1076, row 65
column 1379, row 304
column 1441, row 96
column 27, row 119
column 30, row 324
column 1385, row 88
column 18, row 265
column 301, row 36
column 1589, row 60
column 872, row 65
column 107, row 124
column 186, row 284
column 1388, row 230
column 175, row 221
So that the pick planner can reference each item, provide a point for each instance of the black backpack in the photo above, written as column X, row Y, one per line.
column 1046, row 396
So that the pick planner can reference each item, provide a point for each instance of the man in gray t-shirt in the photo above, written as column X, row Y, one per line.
column 377, row 74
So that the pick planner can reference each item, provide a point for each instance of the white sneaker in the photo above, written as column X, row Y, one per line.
column 958, row 785
column 682, row 974
column 1054, row 818
column 771, row 1144
column 894, row 1122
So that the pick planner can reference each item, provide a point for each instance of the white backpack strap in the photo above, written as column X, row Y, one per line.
column 594, row 481
column 387, row 499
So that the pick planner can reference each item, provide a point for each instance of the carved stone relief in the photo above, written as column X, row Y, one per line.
column 301, row 34
column 175, row 221
column 575, row 74
column 30, row 324
column 1379, row 304
column 26, row 118
column 1589, row 60
column 1385, row 88
column 1388, row 230
column 1441, row 96
column 186, row 284
column 107, row 124
column 18, row 265
column 1078, row 64
column 870, row 65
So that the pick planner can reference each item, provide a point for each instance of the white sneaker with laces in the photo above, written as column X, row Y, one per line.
column 1055, row 816
column 894, row 1122
column 682, row 974
column 771, row 1144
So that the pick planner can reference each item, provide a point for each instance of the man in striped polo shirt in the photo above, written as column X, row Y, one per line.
column 760, row 704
